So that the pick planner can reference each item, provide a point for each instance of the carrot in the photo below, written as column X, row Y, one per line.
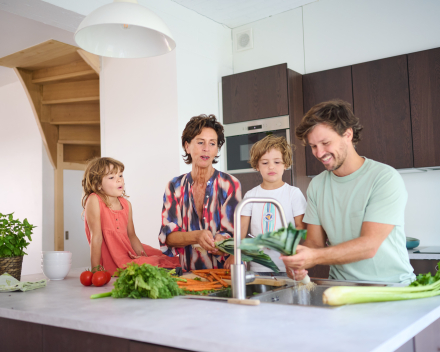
column 208, row 271
column 219, row 280
column 205, row 276
column 226, row 277
column 202, row 288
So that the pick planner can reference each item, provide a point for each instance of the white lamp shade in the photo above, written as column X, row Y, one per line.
column 104, row 32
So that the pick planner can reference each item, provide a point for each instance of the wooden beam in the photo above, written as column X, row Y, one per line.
column 70, row 101
column 91, row 59
column 74, row 166
column 59, row 201
column 83, row 75
column 75, row 122
column 49, row 53
column 77, row 153
column 49, row 133
column 78, row 142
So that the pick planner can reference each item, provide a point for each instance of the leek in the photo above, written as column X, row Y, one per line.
column 425, row 286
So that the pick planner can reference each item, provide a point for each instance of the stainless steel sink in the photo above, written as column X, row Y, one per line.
column 292, row 294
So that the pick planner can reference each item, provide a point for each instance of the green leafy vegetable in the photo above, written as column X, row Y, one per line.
column 144, row 281
column 14, row 236
column 283, row 240
column 254, row 254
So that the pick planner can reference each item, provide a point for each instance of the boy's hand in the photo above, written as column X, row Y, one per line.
column 228, row 262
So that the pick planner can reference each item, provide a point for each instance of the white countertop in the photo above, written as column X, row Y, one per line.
column 412, row 255
column 218, row 326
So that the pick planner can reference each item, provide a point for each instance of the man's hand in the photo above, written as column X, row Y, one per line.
column 297, row 275
column 303, row 259
column 206, row 241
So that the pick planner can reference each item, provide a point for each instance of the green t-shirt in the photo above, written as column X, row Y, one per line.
column 376, row 193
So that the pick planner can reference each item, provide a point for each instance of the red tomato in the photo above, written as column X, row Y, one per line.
column 99, row 278
column 109, row 276
column 86, row 278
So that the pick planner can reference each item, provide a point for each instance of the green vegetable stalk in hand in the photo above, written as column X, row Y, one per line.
column 144, row 281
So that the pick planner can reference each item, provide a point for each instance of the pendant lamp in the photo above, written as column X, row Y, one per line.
column 124, row 29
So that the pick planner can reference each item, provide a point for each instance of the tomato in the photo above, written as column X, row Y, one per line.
column 86, row 278
column 99, row 278
column 109, row 276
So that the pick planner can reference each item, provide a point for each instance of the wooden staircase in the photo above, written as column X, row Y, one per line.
column 62, row 84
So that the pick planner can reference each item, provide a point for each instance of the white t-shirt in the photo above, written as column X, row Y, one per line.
column 265, row 217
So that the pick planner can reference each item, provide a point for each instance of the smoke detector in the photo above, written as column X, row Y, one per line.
column 244, row 40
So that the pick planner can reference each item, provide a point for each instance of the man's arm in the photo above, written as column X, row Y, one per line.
column 313, row 252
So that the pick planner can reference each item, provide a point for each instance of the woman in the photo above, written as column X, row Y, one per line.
column 199, row 206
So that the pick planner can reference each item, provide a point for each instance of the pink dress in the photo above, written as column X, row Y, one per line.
column 115, row 242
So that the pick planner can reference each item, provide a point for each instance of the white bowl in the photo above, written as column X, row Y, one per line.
column 55, row 272
column 52, row 263
column 52, row 255
column 61, row 260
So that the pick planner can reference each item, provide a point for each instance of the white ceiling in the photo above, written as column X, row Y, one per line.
column 235, row 13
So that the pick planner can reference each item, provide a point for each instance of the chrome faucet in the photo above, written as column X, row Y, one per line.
column 239, row 276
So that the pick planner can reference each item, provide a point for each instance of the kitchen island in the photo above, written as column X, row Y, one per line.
column 197, row 325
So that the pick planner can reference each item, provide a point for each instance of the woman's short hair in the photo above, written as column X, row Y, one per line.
column 268, row 143
column 336, row 114
column 96, row 169
column 195, row 126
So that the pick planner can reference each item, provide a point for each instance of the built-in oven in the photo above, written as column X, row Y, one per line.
column 241, row 136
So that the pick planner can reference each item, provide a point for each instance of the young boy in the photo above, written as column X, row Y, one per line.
column 271, row 156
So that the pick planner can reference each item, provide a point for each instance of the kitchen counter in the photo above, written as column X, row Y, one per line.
column 420, row 256
column 202, row 325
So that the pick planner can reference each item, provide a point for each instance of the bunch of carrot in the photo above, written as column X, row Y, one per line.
column 215, row 280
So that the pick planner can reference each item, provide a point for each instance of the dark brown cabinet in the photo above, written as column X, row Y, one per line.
column 424, row 88
column 255, row 94
column 381, row 101
column 323, row 86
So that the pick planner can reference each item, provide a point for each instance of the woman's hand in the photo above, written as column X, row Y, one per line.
column 228, row 262
column 297, row 275
column 217, row 251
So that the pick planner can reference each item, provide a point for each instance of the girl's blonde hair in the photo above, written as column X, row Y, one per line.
column 96, row 169
column 266, row 144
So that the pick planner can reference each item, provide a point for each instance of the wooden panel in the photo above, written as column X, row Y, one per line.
column 91, row 59
column 71, row 90
column 299, row 176
column 72, row 100
column 75, row 70
column 59, row 201
column 381, row 101
column 49, row 134
column 74, row 112
column 80, row 133
column 428, row 339
column 80, row 153
column 16, row 335
column 319, row 271
column 67, row 340
column 250, row 180
column 49, row 53
column 323, row 86
column 424, row 86
column 255, row 94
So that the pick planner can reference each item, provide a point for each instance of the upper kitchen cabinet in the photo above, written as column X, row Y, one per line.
column 381, row 101
column 424, row 87
column 323, row 86
column 255, row 94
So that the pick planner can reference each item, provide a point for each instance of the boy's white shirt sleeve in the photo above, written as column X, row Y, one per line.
column 247, row 209
column 299, row 203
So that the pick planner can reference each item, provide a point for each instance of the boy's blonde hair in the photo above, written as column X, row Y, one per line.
column 266, row 144
column 96, row 169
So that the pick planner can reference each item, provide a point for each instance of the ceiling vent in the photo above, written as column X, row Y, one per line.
column 244, row 40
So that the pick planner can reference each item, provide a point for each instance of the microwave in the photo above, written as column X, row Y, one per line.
column 241, row 136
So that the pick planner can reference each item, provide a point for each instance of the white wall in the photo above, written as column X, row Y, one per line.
column 140, row 128
column 21, row 175
column 344, row 32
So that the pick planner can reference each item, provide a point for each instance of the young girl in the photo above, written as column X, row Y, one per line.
column 109, row 220
column 271, row 156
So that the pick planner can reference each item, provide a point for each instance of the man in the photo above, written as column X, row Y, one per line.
column 357, row 205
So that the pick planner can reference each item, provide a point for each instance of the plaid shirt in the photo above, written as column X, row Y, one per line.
column 223, row 193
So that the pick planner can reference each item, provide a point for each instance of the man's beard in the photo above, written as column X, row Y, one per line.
column 338, row 161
